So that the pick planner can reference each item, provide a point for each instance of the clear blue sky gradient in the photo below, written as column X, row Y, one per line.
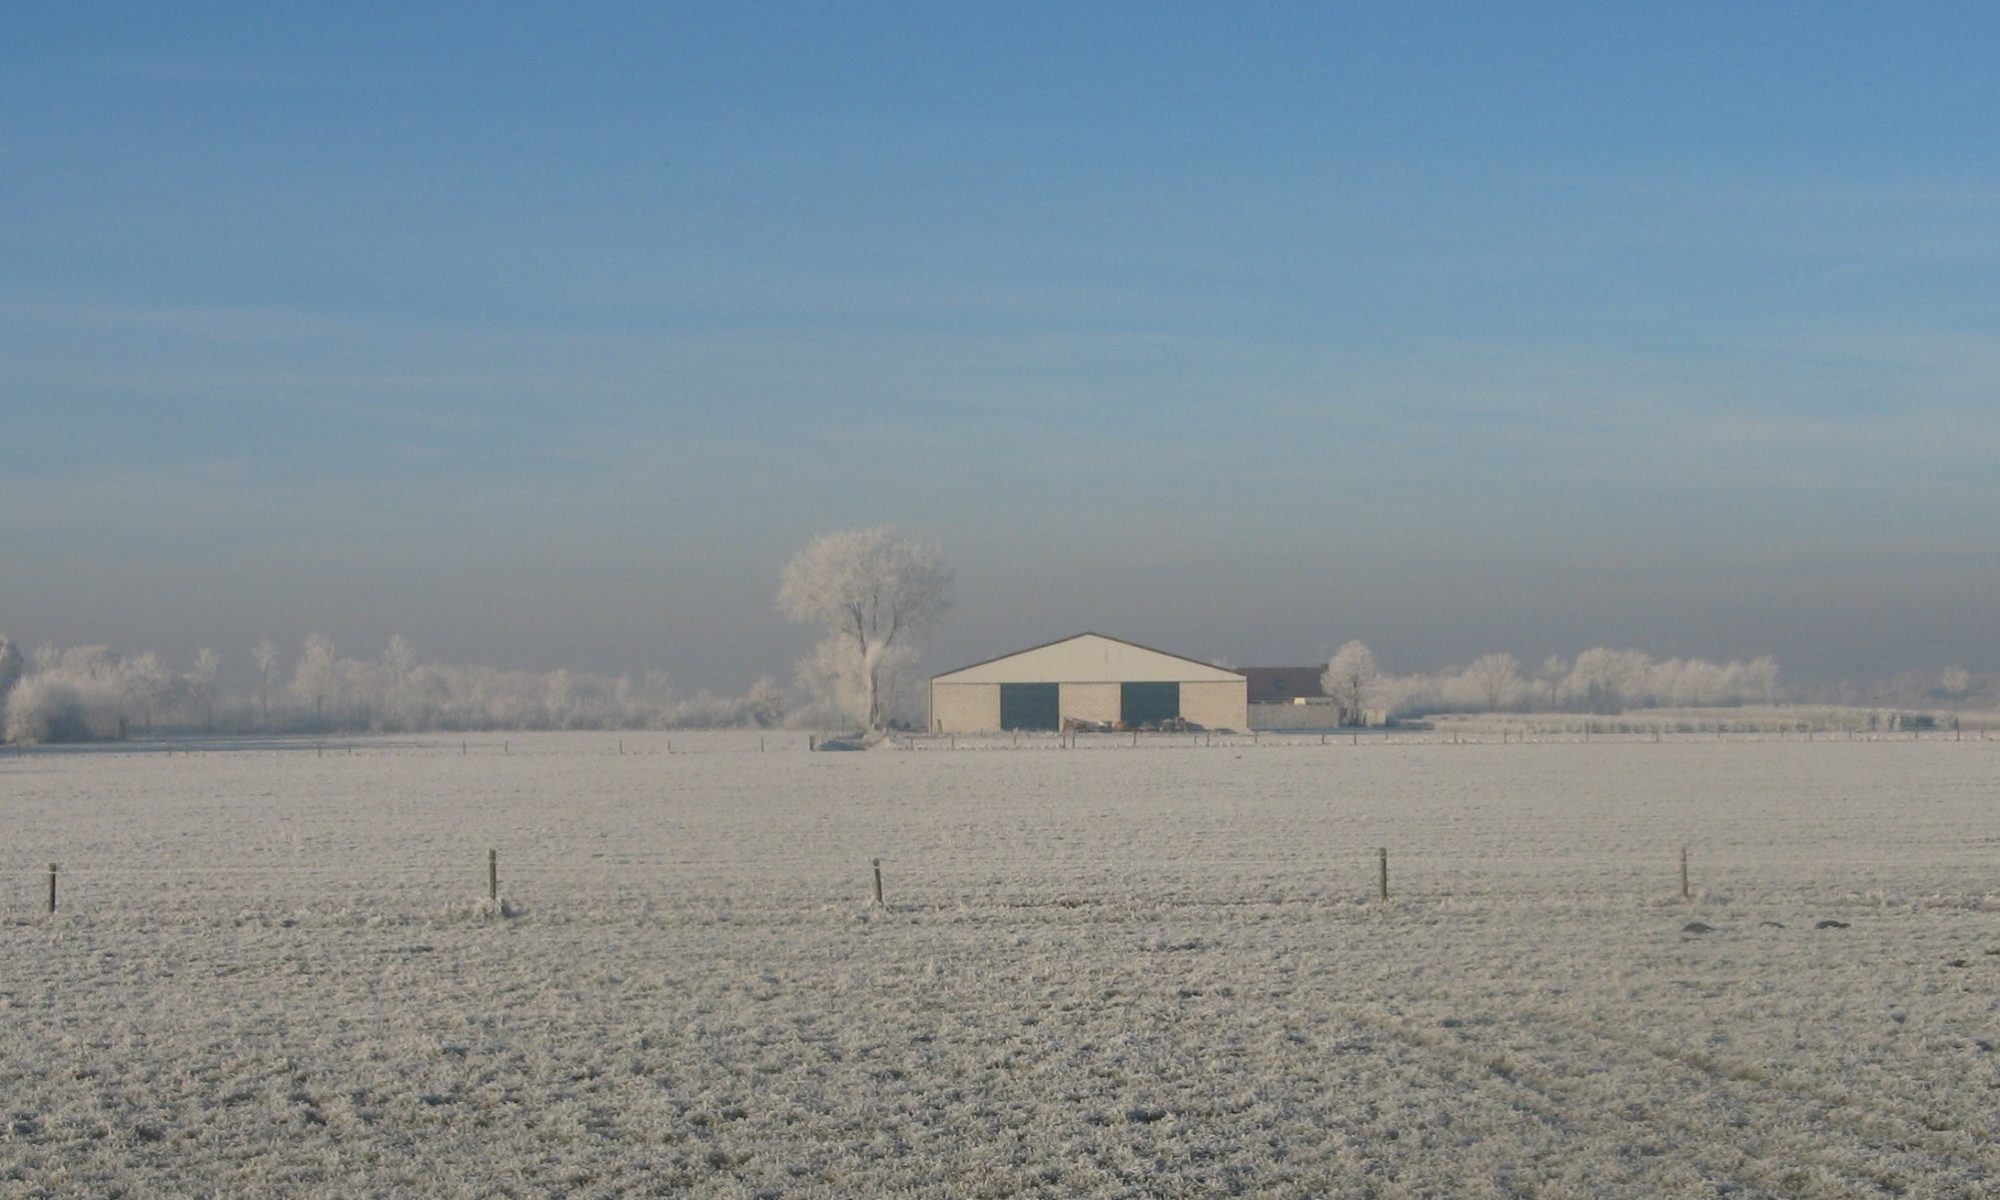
column 543, row 335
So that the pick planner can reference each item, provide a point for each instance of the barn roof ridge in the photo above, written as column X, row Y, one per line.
column 1086, row 633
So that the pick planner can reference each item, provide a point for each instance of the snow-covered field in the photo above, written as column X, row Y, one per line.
column 1100, row 972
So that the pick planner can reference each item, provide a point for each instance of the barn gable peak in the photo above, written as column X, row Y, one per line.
column 1089, row 656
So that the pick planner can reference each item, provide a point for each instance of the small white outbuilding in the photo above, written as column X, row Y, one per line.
column 1088, row 677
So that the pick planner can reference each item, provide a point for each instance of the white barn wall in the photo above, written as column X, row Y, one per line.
column 1216, row 705
column 1091, row 701
column 964, row 707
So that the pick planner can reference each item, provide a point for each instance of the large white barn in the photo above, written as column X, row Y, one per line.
column 1088, row 677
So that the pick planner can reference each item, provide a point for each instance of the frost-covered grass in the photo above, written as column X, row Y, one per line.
column 1117, row 972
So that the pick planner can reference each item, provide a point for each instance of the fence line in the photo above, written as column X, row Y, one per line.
column 1525, row 861
column 1346, row 870
column 1611, row 733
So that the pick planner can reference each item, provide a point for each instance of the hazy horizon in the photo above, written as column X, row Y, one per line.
column 545, row 338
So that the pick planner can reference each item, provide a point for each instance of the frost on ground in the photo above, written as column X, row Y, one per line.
column 1101, row 972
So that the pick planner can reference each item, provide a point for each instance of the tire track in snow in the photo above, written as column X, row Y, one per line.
column 1888, row 1125
column 1596, row 1130
column 1791, row 1117
column 1712, row 1141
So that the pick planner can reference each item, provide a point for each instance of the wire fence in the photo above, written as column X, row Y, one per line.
column 1968, row 879
column 539, row 746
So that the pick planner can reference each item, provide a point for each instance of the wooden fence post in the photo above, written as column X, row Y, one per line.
column 1684, row 873
column 52, row 888
column 493, row 875
column 1382, row 874
column 878, row 883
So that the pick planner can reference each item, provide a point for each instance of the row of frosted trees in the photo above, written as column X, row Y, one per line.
column 1598, row 680
column 396, row 693
column 875, row 594
column 92, row 692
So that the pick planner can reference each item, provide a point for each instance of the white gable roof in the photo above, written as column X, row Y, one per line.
column 1089, row 658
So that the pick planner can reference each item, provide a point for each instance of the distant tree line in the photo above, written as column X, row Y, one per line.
column 874, row 593
column 92, row 692
column 1599, row 680
column 1954, row 688
column 876, row 596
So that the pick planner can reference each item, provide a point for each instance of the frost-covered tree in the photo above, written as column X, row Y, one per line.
column 1757, row 680
column 1602, row 679
column 91, row 692
column 400, row 657
column 1496, row 678
column 837, row 680
column 1350, row 678
column 201, row 684
column 317, row 675
column 878, row 595
column 1549, row 677
column 149, row 686
column 1954, row 682
column 264, row 655
column 11, row 666
column 766, row 702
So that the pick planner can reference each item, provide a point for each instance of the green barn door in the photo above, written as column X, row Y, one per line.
column 1030, row 706
column 1143, row 704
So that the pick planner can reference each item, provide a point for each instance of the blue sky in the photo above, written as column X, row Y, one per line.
column 544, row 335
